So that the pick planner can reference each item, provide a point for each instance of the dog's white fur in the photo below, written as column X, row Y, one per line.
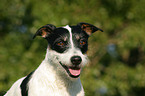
column 50, row 78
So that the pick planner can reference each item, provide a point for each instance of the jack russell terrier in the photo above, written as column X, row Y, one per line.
column 58, row 74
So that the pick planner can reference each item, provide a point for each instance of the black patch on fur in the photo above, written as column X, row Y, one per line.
column 62, row 35
column 23, row 86
column 80, row 36
column 59, row 35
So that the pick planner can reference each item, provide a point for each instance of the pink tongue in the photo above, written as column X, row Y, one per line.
column 75, row 72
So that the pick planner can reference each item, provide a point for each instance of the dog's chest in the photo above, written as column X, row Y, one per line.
column 53, row 89
column 46, row 85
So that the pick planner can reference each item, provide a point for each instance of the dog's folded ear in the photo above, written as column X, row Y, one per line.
column 44, row 31
column 89, row 28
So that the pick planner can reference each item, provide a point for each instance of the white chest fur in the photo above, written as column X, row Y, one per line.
column 47, row 82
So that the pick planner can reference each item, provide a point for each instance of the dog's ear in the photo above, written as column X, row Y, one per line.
column 89, row 28
column 44, row 31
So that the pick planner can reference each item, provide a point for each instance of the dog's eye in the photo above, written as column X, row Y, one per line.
column 61, row 43
column 82, row 42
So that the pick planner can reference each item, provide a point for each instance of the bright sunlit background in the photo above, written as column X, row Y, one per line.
column 117, row 64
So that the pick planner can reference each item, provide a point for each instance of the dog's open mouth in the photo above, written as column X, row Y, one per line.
column 73, row 71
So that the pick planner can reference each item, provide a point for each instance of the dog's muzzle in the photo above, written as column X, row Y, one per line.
column 75, row 69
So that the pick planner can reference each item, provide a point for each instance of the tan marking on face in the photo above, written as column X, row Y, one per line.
column 77, row 37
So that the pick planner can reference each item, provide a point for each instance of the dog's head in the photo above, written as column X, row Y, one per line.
column 67, row 46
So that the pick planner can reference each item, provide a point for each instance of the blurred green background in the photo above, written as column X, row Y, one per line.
column 117, row 64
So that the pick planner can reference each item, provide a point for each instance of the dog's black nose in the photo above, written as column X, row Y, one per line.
column 76, row 60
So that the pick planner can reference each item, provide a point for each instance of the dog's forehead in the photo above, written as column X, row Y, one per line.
column 61, row 31
column 66, row 32
column 75, row 31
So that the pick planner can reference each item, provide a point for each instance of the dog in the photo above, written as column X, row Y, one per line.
column 59, row 72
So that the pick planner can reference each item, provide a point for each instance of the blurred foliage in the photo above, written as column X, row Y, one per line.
column 117, row 64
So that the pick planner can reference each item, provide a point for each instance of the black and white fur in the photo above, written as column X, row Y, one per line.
column 58, row 74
